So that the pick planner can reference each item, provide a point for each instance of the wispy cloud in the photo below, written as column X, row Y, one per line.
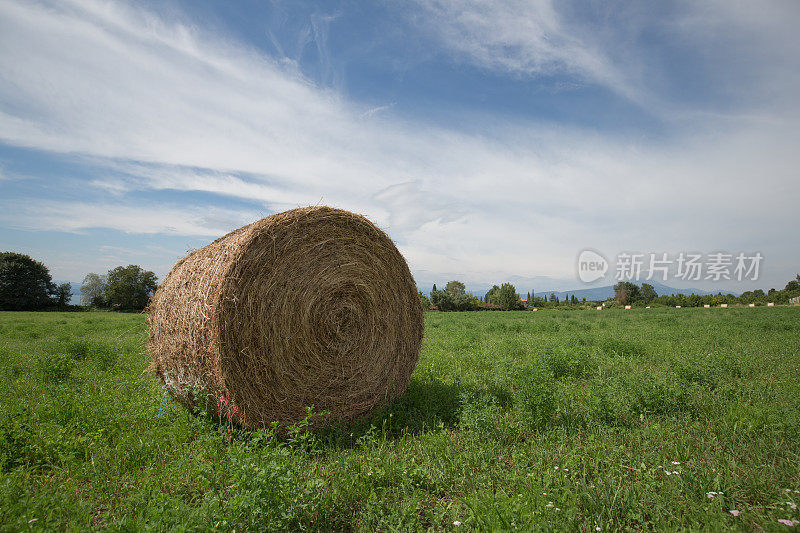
column 377, row 109
column 737, row 54
column 521, row 36
column 48, row 215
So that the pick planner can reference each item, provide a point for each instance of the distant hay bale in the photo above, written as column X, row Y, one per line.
column 627, row 307
column 314, row 306
column 771, row 304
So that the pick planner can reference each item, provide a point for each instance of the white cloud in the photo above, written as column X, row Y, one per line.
column 49, row 215
column 743, row 53
column 522, row 36
column 164, row 106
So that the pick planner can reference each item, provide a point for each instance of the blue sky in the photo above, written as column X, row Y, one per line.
column 489, row 139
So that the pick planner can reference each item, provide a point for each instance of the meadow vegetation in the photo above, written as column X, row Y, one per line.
column 556, row 420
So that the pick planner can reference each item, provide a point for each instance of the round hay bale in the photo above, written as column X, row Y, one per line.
column 313, row 306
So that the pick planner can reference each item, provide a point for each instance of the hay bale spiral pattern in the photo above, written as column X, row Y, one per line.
column 314, row 306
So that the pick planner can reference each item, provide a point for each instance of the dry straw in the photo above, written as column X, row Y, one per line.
column 314, row 306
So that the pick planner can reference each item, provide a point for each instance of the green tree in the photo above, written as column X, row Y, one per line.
column 648, row 292
column 130, row 287
column 506, row 296
column 626, row 292
column 455, row 288
column 25, row 284
column 93, row 290
column 63, row 294
column 424, row 301
column 489, row 297
column 453, row 301
column 442, row 300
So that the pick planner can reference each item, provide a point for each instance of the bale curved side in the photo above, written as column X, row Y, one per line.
column 313, row 306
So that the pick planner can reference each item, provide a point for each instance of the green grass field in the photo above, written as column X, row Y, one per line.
column 576, row 420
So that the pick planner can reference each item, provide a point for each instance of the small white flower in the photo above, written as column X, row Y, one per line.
column 549, row 504
column 668, row 473
column 710, row 494
column 557, row 509
column 792, row 505
column 675, row 472
column 556, row 468
column 676, row 462
column 456, row 523
column 598, row 528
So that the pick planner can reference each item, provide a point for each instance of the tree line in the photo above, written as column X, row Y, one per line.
column 26, row 285
column 627, row 293
column 454, row 297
